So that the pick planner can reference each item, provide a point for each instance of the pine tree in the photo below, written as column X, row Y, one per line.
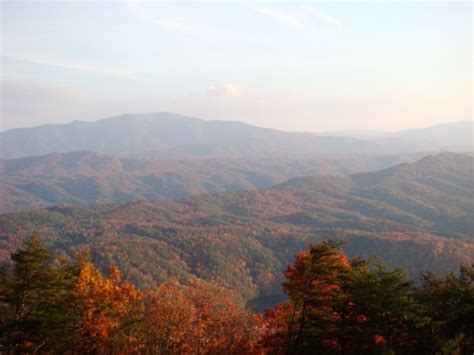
column 347, row 307
column 449, row 305
column 385, row 300
column 313, row 284
column 40, row 312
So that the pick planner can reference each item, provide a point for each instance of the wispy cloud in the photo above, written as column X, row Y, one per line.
column 281, row 16
column 38, row 59
column 225, row 90
column 300, row 17
column 323, row 16
column 136, row 9
column 173, row 26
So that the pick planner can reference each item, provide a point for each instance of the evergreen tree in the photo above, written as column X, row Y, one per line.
column 39, row 311
column 313, row 285
column 349, row 307
column 384, row 301
column 449, row 304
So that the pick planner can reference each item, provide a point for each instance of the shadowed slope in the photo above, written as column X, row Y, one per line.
column 89, row 177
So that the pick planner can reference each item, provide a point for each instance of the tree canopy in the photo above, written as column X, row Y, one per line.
column 335, row 305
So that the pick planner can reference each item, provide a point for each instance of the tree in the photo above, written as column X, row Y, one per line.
column 276, row 323
column 169, row 320
column 313, row 284
column 385, row 300
column 39, row 314
column 449, row 305
column 110, row 311
column 51, row 304
column 200, row 318
column 346, row 307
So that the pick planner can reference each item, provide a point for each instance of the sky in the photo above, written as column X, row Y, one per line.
column 308, row 66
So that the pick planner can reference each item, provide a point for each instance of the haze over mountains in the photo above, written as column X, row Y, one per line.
column 249, row 197
column 418, row 215
column 90, row 177
column 446, row 134
column 236, row 178
column 171, row 135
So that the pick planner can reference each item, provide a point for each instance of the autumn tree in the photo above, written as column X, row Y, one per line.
column 110, row 311
column 53, row 304
column 313, row 286
column 169, row 320
column 275, row 329
column 198, row 318
column 342, row 306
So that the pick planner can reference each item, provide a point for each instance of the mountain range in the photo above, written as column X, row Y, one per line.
column 446, row 134
column 417, row 215
column 171, row 135
column 90, row 177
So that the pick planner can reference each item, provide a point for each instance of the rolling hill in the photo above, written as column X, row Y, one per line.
column 446, row 134
column 171, row 135
column 417, row 215
column 89, row 177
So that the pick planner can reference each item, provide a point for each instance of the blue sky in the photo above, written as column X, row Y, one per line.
column 309, row 66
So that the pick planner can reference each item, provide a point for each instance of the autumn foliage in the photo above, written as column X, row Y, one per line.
column 89, row 313
column 109, row 310
column 200, row 317
column 51, row 304
column 341, row 306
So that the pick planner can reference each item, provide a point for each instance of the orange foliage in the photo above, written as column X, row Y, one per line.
column 107, row 309
column 378, row 339
column 275, row 328
column 201, row 317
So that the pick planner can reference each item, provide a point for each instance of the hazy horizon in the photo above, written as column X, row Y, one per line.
column 252, row 177
column 310, row 67
column 336, row 131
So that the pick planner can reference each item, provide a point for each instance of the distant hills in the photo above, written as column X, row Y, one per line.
column 417, row 215
column 454, row 134
column 90, row 177
column 171, row 135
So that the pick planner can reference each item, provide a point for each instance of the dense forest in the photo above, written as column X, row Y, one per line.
column 419, row 216
column 335, row 305
column 236, row 177
column 91, row 177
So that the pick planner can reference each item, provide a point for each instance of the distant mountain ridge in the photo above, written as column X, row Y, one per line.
column 90, row 177
column 173, row 135
column 453, row 133
column 418, row 215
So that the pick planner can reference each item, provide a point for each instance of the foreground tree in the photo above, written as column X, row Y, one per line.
column 385, row 304
column 320, row 308
column 448, row 303
column 50, row 304
column 110, row 311
column 37, row 308
column 343, row 307
column 197, row 318
column 275, row 330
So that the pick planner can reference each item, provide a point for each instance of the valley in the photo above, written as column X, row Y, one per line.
column 414, row 215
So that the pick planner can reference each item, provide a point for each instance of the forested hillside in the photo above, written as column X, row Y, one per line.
column 52, row 304
column 89, row 177
column 236, row 177
column 419, row 216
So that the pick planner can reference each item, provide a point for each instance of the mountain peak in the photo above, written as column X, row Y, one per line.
column 174, row 135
